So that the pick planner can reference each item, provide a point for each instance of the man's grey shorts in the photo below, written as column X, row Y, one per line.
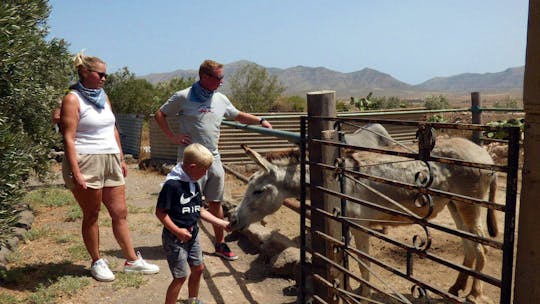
column 180, row 254
column 213, row 183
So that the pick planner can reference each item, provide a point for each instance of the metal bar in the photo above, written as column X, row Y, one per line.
column 290, row 136
column 437, row 125
column 418, row 189
column 393, row 270
column 510, row 214
column 489, row 279
column 484, row 277
column 303, row 209
column 500, row 109
column 342, row 291
column 237, row 174
column 343, row 269
column 343, row 202
column 414, row 156
column 345, row 115
column 367, row 113
column 415, row 219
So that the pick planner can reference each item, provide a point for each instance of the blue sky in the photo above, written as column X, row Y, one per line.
column 411, row 40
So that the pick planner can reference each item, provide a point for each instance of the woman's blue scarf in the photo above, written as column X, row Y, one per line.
column 200, row 94
column 95, row 96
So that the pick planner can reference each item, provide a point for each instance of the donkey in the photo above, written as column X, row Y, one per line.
column 280, row 179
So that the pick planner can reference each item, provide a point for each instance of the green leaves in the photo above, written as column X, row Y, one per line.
column 253, row 90
column 33, row 75
column 503, row 134
column 129, row 94
column 437, row 102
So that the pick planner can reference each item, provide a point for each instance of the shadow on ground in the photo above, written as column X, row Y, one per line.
column 17, row 278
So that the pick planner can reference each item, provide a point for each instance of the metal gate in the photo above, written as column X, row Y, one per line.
column 330, row 277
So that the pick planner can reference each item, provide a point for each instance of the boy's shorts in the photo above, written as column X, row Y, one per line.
column 213, row 183
column 178, row 253
column 98, row 170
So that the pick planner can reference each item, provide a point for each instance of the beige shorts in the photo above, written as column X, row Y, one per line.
column 98, row 170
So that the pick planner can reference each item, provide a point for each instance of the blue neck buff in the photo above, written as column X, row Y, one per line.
column 95, row 96
column 200, row 94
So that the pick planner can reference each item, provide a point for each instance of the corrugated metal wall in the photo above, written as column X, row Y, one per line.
column 229, row 143
column 130, row 128
column 161, row 148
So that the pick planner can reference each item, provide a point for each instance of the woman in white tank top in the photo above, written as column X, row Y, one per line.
column 93, row 165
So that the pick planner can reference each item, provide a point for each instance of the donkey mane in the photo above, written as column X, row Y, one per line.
column 284, row 157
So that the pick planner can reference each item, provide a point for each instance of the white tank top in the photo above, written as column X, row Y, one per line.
column 95, row 131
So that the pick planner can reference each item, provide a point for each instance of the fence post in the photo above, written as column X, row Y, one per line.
column 321, row 103
column 476, row 109
column 527, row 279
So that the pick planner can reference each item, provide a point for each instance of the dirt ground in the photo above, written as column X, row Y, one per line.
column 246, row 280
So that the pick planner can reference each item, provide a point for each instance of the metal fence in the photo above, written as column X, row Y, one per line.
column 330, row 289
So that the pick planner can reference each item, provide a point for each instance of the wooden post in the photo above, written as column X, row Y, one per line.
column 320, row 103
column 527, row 274
column 476, row 104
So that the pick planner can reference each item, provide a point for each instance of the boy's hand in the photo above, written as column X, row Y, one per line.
column 183, row 235
column 227, row 226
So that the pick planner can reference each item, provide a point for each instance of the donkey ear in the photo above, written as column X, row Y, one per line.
column 257, row 158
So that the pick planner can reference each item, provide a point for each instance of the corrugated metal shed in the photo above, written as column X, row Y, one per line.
column 130, row 128
column 161, row 148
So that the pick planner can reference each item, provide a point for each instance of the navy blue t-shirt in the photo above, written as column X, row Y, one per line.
column 182, row 206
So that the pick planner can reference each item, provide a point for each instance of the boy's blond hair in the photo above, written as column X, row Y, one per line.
column 198, row 154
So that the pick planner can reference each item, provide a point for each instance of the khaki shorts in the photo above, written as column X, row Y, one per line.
column 213, row 183
column 98, row 170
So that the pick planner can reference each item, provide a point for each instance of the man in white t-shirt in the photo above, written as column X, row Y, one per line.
column 200, row 109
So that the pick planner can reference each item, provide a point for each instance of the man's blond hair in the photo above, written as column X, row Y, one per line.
column 209, row 66
column 197, row 154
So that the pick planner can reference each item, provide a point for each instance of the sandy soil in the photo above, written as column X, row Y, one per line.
column 247, row 280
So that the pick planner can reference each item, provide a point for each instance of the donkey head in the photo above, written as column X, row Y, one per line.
column 264, row 193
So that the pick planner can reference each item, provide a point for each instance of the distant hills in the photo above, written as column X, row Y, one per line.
column 300, row 79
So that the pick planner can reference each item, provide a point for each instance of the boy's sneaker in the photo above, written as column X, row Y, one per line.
column 194, row 301
column 140, row 266
column 225, row 252
column 101, row 272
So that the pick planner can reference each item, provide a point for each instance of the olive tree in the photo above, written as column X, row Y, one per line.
column 129, row 94
column 253, row 90
column 34, row 73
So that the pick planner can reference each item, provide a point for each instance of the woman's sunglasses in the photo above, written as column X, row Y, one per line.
column 100, row 74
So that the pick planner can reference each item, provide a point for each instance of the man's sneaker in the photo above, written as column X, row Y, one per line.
column 101, row 272
column 194, row 301
column 140, row 266
column 225, row 252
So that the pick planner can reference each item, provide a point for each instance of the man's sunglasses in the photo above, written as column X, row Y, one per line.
column 100, row 74
column 215, row 77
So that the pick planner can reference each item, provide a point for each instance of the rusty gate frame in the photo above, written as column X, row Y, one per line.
column 419, row 288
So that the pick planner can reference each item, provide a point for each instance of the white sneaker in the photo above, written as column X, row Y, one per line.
column 101, row 272
column 140, row 266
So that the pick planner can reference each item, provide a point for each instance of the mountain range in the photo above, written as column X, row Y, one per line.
column 301, row 79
